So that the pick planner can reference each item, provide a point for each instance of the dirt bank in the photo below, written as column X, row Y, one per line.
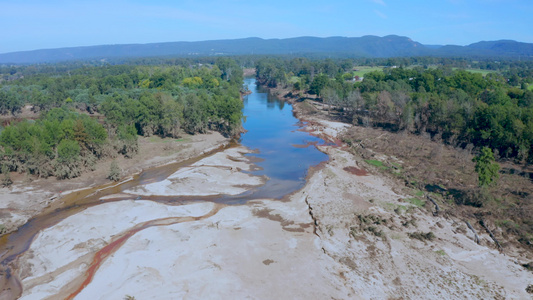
column 28, row 195
column 350, row 233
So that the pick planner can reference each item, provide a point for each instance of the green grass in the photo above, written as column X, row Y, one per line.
column 294, row 79
column 362, row 70
column 507, row 224
column 477, row 71
column 419, row 193
column 441, row 252
column 394, row 207
column 416, row 202
column 530, row 87
column 397, row 165
column 376, row 163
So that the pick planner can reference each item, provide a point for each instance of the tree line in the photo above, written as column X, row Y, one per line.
column 88, row 112
column 495, row 110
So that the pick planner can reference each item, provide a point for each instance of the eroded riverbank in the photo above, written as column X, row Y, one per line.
column 343, row 235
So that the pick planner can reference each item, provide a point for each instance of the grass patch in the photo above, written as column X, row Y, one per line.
column 376, row 163
column 478, row 71
column 507, row 224
column 362, row 70
column 294, row 79
column 400, row 209
column 530, row 87
column 441, row 252
column 416, row 202
column 397, row 165
column 419, row 193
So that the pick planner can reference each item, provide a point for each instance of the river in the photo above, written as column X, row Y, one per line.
column 282, row 152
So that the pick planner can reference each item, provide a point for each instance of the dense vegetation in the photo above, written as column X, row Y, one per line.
column 90, row 112
column 462, row 107
column 482, row 116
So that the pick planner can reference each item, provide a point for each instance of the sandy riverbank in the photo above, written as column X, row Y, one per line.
column 29, row 196
column 350, row 233
column 342, row 236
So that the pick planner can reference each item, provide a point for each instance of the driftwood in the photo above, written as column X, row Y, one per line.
column 482, row 223
column 437, row 209
column 476, row 238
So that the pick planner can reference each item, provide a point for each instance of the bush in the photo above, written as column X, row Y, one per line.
column 114, row 172
column 422, row 236
column 6, row 181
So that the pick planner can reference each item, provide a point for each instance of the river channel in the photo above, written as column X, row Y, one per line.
column 282, row 153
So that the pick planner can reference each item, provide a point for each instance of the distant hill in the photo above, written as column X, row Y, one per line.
column 366, row 46
column 502, row 48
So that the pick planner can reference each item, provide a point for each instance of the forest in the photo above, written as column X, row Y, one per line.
column 107, row 105
column 90, row 112
column 423, row 96
column 472, row 113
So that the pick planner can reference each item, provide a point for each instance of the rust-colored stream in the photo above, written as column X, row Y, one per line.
column 16, row 243
column 283, row 155
column 101, row 255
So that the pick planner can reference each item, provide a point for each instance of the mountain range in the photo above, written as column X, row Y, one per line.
column 366, row 46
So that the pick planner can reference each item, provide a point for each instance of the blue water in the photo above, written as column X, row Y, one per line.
column 272, row 131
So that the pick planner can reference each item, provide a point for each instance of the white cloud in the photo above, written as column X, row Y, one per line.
column 380, row 14
column 380, row 2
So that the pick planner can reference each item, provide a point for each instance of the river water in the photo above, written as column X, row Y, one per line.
column 282, row 152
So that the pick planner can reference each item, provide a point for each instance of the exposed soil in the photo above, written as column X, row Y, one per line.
column 28, row 196
column 425, row 165
column 355, row 231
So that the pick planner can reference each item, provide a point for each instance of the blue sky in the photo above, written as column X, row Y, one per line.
column 39, row 24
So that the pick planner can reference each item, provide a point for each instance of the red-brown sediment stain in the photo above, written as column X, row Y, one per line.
column 356, row 171
column 305, row 145
column 16, row 243
column 112, row 247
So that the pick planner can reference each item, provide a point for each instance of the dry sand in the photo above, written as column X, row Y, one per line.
column 28, row 196
column 342, row 236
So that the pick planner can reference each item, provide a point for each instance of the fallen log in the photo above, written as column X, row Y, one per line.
column 482, row 223
column 476, row 238
column 437, row 209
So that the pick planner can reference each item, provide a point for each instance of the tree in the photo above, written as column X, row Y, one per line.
column 114, row 172
column 318, row 84
column 486, row 168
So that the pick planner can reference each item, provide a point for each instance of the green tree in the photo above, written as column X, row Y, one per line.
column 318, row 84
column 486, row 168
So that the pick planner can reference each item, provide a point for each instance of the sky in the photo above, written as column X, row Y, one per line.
column 43, row 24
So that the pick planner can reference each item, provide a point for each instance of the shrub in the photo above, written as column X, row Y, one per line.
column 422, row 236
column 114, row 172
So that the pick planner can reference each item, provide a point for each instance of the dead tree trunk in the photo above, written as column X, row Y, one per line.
column 482, row 223
column 476, row 238
column 436, row 212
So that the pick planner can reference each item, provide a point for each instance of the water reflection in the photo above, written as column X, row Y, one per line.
column 281, row 147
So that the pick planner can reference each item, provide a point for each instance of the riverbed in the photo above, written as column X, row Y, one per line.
column 235, row 223
column 60, row 252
